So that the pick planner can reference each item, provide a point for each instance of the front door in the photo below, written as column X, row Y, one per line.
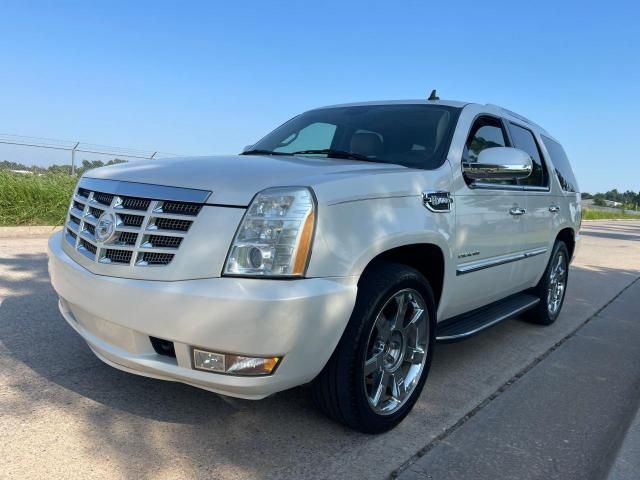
column 490, row 229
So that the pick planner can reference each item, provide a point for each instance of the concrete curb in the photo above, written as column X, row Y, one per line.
column 612, row 220
column 28, row 231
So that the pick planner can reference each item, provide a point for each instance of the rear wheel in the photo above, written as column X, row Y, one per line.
column 378, row 369
column 552, row 287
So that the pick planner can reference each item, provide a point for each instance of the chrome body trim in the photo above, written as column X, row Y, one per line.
column 528, row 188
column 476, row 170
column 497, row 186
column 145, row 190
column 494, row 186
column 537, row 251
column 494, row 262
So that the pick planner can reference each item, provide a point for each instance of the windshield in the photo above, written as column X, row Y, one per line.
column 416, row 136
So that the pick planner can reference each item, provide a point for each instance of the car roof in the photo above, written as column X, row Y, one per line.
column 446, row 103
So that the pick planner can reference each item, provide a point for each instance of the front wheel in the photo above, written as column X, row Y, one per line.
column 552, row 287
column 380, row 365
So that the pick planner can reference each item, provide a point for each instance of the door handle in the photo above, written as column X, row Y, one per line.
column 518, row 211
column 554, row 209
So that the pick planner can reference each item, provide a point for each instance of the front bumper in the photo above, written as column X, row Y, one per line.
column 299, row 320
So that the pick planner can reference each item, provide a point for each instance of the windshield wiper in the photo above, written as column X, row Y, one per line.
column 259, row 151
column 329, row 152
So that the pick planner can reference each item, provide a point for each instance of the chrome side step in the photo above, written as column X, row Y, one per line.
column 470, row 323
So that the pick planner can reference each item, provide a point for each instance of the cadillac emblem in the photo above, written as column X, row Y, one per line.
column 105, row 227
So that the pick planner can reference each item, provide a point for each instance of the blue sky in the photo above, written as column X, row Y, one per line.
column 210, row 77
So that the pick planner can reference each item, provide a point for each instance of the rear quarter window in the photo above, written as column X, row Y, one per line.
column 561, row 165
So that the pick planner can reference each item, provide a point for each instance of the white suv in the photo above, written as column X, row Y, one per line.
column 335, row 251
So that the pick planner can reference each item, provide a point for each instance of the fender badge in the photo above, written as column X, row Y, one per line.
column 468, row 254
column 437, row 201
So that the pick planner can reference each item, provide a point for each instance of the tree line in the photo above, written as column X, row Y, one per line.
column 629, row 199
column 59, row 169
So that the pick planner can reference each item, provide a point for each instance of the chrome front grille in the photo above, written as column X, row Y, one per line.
column 132, row 203
column 128, row 238
column 171, row 224
column 148, row 231
column 120, row 256
column 131, row 220
column 103, row 198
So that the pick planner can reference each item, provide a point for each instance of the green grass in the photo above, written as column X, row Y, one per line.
column 588, row 214
column 33, row 199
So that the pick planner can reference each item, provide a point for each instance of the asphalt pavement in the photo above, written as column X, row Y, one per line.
column 491, row 408
column 564, row 418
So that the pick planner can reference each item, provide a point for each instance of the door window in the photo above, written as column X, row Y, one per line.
column 524, row 140
column 487, row 132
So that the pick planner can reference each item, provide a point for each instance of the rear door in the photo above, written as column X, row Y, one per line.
column 538, row 219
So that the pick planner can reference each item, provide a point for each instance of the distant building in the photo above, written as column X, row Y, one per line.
column 22, row 172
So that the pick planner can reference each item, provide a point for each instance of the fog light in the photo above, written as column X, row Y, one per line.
column 208, row 361
column 233, row 364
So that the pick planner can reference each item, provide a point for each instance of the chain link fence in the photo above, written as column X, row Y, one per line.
column 22, row 154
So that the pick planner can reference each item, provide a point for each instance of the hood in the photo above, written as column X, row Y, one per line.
column 235, row 179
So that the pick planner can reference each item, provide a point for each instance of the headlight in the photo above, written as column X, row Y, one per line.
column 274, row 238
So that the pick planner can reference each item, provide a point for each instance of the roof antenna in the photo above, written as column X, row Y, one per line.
column 434, row 95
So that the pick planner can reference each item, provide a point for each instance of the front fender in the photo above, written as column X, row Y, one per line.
column 349, row 235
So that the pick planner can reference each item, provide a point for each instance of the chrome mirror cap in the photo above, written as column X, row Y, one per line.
column 499, row 163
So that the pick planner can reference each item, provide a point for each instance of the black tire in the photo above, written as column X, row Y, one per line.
column 339, row 389
column 542, row 314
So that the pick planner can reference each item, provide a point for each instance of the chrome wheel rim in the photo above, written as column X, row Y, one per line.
column 396, row 351
column 557, row 284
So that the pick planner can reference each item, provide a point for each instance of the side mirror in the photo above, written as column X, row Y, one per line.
column 247, row 148
column 499, row 163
